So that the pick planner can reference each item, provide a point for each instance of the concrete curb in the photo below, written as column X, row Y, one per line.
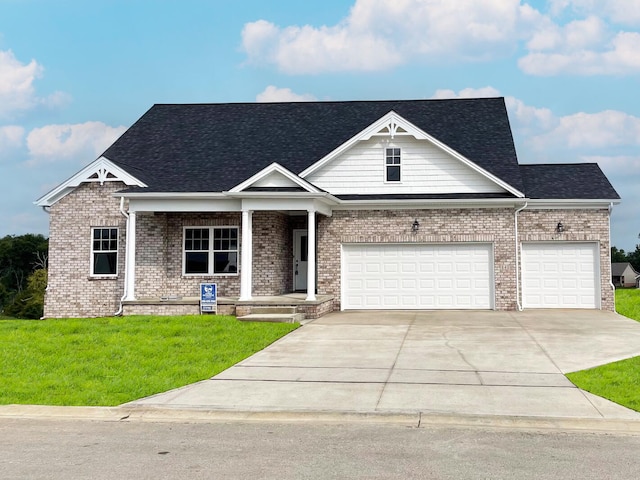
column 408, row 419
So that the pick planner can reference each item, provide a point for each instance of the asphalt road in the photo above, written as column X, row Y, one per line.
column 80, row 449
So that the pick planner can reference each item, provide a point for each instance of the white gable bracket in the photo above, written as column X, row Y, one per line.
column 101, row 170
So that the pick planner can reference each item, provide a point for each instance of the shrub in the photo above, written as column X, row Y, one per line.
column 30, row 302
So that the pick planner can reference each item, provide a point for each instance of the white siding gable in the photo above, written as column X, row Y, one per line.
column 274, row 179
column 426, row 168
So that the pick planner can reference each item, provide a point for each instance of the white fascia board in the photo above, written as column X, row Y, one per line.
column 184, row 204
column 428, row 204
column 287, row 204
column 292, row 195
column 171, row 195
column 275, row 167
column 100, row 167
column 543, row 204
column 393, row 120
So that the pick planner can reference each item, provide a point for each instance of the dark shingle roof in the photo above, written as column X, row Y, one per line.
column 566, row 181
column 213, row 147
column 618, row 268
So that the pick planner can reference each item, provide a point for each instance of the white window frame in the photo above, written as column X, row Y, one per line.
column 387, row 165
column 211, row 251
column 94, row 251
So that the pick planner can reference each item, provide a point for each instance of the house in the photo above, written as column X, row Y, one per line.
column 358, row 205
column 623, row 275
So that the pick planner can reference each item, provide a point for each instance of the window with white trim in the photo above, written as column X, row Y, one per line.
column 210, row 250
column 392, row 165
column 104, row 251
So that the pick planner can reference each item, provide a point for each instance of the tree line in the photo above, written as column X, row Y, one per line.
column 23, row 275
column 618, row 255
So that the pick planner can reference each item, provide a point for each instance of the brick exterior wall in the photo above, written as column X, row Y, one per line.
column 494, row 226
column 159, row 252
column 159, row 255
column 71, row 291
column 159, row 248
column 272, row 253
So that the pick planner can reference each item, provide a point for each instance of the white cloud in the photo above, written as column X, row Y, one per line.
column 523, row 117
column 628, row 164
column 11, row 137
column 275, row 94
column 16, row 83
column 576, row 35
column 529, row 119
column 622, row 56
column 589, row 131
column 17, row 92
column 381, row 34
column 484, row 92
column 626, row 12
column 78, row 142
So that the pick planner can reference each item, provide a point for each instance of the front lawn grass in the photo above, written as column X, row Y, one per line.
column 628, row 302
column 110, row 361
column 618, row 381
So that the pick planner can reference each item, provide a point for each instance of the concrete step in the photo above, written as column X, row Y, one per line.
column 274, row 310
column 273, row 317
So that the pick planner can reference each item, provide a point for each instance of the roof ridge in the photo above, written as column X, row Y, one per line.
column 326, row 102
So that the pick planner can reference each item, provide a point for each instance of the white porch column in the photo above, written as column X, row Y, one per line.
column 311, row 256
column 246, row 257
column 130, row 258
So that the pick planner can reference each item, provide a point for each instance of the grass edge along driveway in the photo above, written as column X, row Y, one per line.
column 618, row 381
column 110, row 361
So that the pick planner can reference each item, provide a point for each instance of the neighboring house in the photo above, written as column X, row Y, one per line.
column 360, row 205
column 623, row 275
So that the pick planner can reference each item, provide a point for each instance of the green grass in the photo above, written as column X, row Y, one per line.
column 109, row 361
column 628, row 302
column 618, row 381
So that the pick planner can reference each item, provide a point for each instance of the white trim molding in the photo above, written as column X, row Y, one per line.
column 285, row 177
column 101, row 170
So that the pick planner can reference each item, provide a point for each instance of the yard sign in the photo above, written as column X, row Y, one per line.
column 208, row 297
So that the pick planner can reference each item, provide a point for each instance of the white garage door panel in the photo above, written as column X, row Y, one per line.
column 558, row 275
column 417, row 276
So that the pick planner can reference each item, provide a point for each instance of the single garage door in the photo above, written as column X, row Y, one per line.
column 417, row 276
column 560, row 275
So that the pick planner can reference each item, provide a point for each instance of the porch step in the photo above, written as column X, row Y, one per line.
column 273, row 310
column 273, row 317
column 275, row 313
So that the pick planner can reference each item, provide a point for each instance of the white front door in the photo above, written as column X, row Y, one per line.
column 300, row 252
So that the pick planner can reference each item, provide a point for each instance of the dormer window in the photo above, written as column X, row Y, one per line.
column 392, row 165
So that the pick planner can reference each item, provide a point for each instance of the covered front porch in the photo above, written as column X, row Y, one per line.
column 259, row 245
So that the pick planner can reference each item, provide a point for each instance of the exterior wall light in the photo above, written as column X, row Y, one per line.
column 415, row 226
column 560, row 227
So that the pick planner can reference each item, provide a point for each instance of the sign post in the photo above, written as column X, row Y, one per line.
column 208, row 298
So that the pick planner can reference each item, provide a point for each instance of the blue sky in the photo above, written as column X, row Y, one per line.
column 74, row 74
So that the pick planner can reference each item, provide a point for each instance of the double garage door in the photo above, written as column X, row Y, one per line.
column 461, row 276
column 417, row 276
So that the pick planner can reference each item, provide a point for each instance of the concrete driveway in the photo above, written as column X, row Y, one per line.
column 448, row 362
